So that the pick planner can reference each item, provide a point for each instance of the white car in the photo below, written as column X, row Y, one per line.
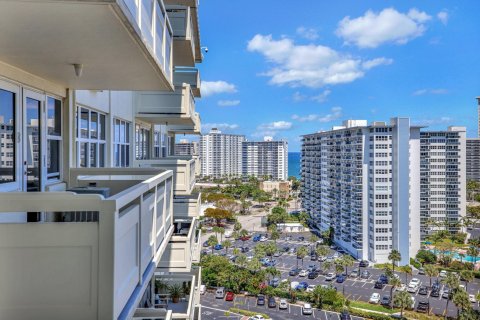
column 330, row 276
column 294, row 284
column 311, row 287
column 443, row 274
column 415, row 282
column 412, row 288
column 228, row 234
column 322, row 258
column 375, row 298
column 307, row 309
column 263, row 239
column 257, row 317
column 472, row 299
column 203, row 289
column 303, row 273
column 402, row 287
column 283, row 304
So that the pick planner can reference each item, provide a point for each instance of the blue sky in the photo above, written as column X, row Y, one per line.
column 287, row 68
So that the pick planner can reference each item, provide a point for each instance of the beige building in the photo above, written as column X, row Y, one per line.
column 94, row 205
column 277, row 188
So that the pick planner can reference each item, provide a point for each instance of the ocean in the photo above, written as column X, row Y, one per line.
column 294, row 164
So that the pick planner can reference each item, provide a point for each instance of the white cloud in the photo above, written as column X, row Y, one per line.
column 422, row 92
column 297, row 97
column 209, row 88
column 228, row 103
column 443, row 16
column 307, row 33
column 322, row 97
column 431, row 122
column 276, row 125
column 369, row 64
column 206, row 127
column 388, row 26
column 335, row 113
column 311, row 65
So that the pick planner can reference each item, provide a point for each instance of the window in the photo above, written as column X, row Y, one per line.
column 142, row 143
column 7, row 128
column 91, row 142
column 121, row 143
column 54, row 137
column 159, row 142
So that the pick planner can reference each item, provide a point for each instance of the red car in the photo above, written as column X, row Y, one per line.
column 229, row 296
column 245, row 238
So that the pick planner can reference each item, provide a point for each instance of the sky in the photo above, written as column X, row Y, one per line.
column 288, row 68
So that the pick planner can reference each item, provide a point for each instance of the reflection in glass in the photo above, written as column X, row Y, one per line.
column 93, row 155
column 54, row 114
column 7, row 136
column 93, row 125
column 53, row 159
column 83, row 123
column 33, row 144
column 83, row 154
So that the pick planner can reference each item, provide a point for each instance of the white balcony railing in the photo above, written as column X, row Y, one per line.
column 85, row 270
column 187, row 206
column 183, row 168
column 188, row 75
column 172, row 108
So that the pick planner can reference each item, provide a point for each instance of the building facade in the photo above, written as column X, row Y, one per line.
column 265, row 159
column 221, row 154
column 186, row 148
column 473, row 159
column 362, row 182
column 91, row 193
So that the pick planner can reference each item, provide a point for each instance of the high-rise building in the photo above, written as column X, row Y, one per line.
column 473, row 159
column 478, row 117
column 96, row 209
column 363, row 183
column 221, row 154
column 186, row 148
column 265, row 159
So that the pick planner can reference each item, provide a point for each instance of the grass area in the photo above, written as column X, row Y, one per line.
column 420, row 316
column 372, row 307
column 248, row 313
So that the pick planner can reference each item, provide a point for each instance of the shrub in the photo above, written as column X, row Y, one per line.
column 368, row 315
column 415, row 263
column 248, row 313
column 425, row 256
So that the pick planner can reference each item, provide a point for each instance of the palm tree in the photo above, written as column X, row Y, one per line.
column 226, row 244
column 467, row 276
column 395, row 257
column 212, row 241
column 347, row 261
column 241, row 260
column 327, row 265
column 275, row 235
column 237, row 226
column 460, row 298
column 254, row 265
column 222, row 232
column 474, row 252
column 431, row 271
column 236, row 251
column 322, row 251
column 301, row 253
column 403, row 300
column 394, row 282
column 408, row 271
column 313, row 239
column 452, row 282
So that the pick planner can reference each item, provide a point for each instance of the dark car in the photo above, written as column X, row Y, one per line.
column 294, row 272
column 436, row 286
column 271, row 302
column 363, row 263
column 218, row 246
column 301, row 238
column 312, row 267
column 302, row 286
column 379, row 285
column 286, row 249
column 435, row 293
column 386, row 301
column 365, row 274
column 345, row 315
column 205, row 244
column 340, row 278
column 313, row 275
column 260, row 300
column 383, row 278
column 423, row 306
column 423, row 290
column 275, row 282
column 313, row 257
column 256, row 238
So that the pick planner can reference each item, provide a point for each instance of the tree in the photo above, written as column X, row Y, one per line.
column 452, row 282
column 460, row 299
column 222, row 232
column 275, row 235
column 313, row 239
column 431, row 271
column 402, row 300
column 327, row 265
column 347, row 261
column 236, row 251
column 303, row 218
column 408, row 271
column 394, row 282
column 241, row 260
column 218, row 214
column 322, row 251
column 227, row 204
column 467, row 276
column 395, row 257
column 237, row 226
column 425, row 256
column 254, row 266
column 474, row 252
column 302, row 252
column 226, row 244
column 212, row 241
column 259, row 250
column 270, row 249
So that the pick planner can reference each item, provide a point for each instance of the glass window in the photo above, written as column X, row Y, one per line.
column 91, row 141
column 121, row 143
column 54, row 137
column 142, row 145
column 7, row 136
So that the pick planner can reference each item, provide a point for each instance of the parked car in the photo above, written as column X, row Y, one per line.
column 344, row 315
column 286, row 249
column 229, row 296
column 364, row 263
column 220, row 293
column 330, row 276
column 205, row 244
column 275, row 282
column 365, row 274
column 374, row 298
column 301, row 238
column 260, row 300
column 313, row 275
column 322, row 258
column 471, row 298
column 245, row 238
column 310, row 288
column 421, row 271
column 203, row 289
column 307, row 309
column 313, row 257
column 283, row 304
column 218, row 246
column 386, row 301
column 423, row 306
column 303, row 273
column 228, row 234
column 256, row 238
column 423, row 290
column 379, row 284
column 442, row 274
column 294, row 272
column 257, row 317
column 294, row 285
column 435, row 293
column 402, row 287
column 312, row 267
column 446, row 293
column 341, row 278
column 277, row 254
column 383, row 278
column 355, row 273
column 302, row 286
column 271, row 302
column 293, row 250
column 263, row 239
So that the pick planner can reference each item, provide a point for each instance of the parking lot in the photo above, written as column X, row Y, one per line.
column 353, row 288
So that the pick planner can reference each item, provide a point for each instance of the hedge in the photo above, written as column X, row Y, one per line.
column 368, row 315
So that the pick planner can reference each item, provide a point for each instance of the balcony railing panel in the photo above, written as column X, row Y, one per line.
column 188, row 75
column 187, row 206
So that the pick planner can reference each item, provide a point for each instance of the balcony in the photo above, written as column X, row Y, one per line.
column 184, row 246
column 117, row 49
column 187, row 129
column 97, row 254
column 187, row 206
column 172, row 108
column 183, row 168
column 186, row 37
column 188, row 75
column 161, row 305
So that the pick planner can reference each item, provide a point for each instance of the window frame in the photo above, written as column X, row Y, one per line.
column 99, row 141
column 54, row 176
column 126, row 160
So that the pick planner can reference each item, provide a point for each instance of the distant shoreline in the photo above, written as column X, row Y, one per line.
column 294, row 164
